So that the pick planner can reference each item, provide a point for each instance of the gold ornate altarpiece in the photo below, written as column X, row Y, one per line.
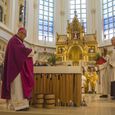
column 76, row 46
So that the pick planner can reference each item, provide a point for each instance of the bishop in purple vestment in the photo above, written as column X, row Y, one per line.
column 17, row 61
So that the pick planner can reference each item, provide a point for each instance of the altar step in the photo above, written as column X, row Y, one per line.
column 28, row 113
column 31, row 111
column 95, row 105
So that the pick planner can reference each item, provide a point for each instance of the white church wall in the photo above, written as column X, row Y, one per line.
column 13, row 15
column 91, row 16
column 35, row 40
column 94, row 18
column 30, row 25
column 99, row 23
column 4, row 6
column 94, row 24
column 5, row 32
column 41, row 53
column 35, row 32
column 61, row 16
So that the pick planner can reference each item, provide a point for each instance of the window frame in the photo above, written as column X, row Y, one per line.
column 108, row 13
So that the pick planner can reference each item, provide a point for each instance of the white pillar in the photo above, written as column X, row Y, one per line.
column 94, row 19
column 35, row 32
column 61, row 16
column 57, row 17
column 13, row 15
column 30, row 21
column 99, row 21
column 12, row 10
column 91, row 16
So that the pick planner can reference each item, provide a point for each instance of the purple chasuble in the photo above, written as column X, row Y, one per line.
column 27, row 78
column 16, row 58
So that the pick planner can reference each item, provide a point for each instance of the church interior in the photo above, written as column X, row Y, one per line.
column 73, row 54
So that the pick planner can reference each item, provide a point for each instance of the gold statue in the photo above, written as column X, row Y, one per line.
column 91, row 80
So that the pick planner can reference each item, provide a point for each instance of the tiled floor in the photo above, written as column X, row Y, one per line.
column 95, row 106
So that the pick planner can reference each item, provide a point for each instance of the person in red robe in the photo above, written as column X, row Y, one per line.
column 18, row 78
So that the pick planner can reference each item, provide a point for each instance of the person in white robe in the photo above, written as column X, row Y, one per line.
column 112, row 60
column 104, row 75
column 112, row 64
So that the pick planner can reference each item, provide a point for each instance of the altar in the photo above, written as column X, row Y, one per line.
column 62, row 81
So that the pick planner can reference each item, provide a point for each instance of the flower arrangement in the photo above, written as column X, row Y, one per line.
column 52, row 59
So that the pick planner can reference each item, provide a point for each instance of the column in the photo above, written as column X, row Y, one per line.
column 61, row 16
column 91, row 16
column 99, row 21
column 30, row 20
column 35, row 21
column 13, row 15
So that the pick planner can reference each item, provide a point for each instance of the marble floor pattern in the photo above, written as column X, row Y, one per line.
column 95, row 106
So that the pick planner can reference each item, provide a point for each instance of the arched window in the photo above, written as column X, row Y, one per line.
column 1, row 14
column 46, row 20
column 108, row 18
column 80, row 7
